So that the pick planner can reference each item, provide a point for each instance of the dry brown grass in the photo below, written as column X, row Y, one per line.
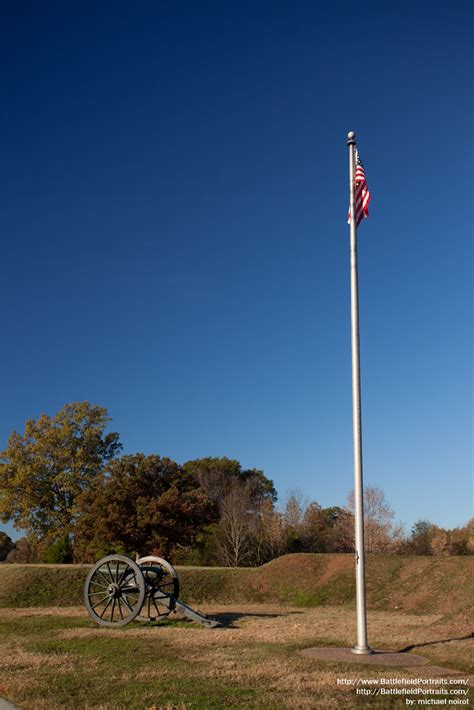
column 40, row 611
column 259, row 650
column 280, row 625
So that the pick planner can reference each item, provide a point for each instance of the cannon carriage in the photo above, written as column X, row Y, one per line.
column 118, row 591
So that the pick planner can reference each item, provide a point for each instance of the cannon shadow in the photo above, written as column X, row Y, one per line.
column 228, row 619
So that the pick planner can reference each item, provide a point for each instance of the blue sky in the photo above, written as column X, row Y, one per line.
column 174, row 241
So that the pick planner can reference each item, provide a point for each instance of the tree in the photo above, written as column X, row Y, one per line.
column 462, row 539
column 43, row 471
column 268, row 533
column 421, row 536
column 294, row 511
column 315, row 528
column 216, row 475
column 59, row 552
column 293, row 515
column 26, row 550
column 250, row 531
column 440, row 541
column 244, row 529
column 234, row 531
column 141, row 505
column 430, row 539
column 380, row 533
column 340, row 536
column 6, row 545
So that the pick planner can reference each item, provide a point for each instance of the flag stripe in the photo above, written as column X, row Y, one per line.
column 362, row 194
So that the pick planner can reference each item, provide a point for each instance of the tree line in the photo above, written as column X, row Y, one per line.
column 66, row 484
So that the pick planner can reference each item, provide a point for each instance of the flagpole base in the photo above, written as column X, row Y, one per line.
column 362, row 650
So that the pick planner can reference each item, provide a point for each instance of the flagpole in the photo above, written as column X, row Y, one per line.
column 361, row 647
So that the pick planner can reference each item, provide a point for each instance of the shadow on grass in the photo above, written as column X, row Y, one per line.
column 433, row 643
column 227, row 619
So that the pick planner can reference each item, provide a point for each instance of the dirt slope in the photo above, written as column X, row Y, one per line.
column 436, row 585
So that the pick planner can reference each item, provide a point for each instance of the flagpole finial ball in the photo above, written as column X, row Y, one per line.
column 351, row 135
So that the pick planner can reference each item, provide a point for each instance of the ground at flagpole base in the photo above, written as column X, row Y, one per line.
column 333, row 654
column 362, row 650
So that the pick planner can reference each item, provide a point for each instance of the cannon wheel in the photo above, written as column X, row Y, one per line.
column 114, row 591
column 159, row 575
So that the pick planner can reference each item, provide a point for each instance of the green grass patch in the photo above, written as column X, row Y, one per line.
column 112, row 671
column 47, row 585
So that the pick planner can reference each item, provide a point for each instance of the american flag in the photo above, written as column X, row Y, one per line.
column 362, row 194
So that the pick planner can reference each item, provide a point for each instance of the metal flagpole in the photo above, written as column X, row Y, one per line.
column 361, row 646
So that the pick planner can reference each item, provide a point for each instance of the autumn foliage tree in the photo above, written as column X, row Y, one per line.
column 140, row 505
column 61, row 482
column 216, row 476
column 380, row 532
column 45, row 469
column 244, row 529
column 245, row 532
column 430, row 539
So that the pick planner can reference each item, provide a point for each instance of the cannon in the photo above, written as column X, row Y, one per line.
column 118, row 590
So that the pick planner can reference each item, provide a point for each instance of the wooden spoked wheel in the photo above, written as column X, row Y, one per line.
column 160, row 576
column 114, row 591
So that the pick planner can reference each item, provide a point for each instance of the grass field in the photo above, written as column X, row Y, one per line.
column 54, row 657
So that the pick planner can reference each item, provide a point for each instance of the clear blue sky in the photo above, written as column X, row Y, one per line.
column 174, row 191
